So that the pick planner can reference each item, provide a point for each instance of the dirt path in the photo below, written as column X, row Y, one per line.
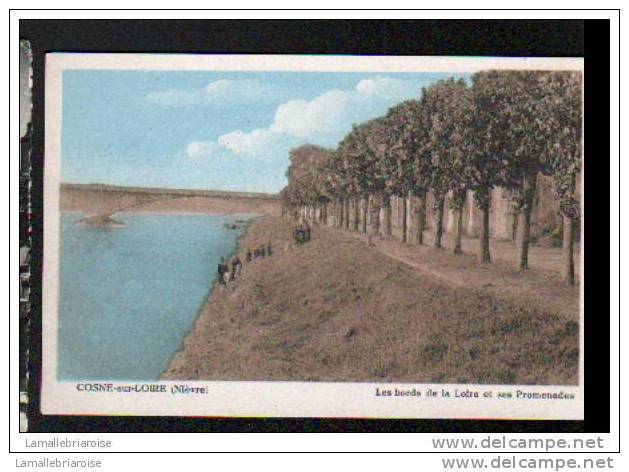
column 541, row 284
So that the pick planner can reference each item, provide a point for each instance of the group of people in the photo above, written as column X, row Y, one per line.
column 260, row 251
column 230, row 271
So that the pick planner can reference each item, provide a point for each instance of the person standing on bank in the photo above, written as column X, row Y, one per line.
column 221, row 272
column 236, row 266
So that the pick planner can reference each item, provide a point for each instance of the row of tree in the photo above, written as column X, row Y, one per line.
column 503, row 130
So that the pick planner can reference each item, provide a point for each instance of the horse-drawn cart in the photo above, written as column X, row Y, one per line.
column 301, row 234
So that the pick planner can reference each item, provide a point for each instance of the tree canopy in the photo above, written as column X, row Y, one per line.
column 502, row 130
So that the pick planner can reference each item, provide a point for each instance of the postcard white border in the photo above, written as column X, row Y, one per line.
column 268, row 399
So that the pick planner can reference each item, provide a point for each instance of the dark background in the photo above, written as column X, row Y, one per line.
column 557, row 38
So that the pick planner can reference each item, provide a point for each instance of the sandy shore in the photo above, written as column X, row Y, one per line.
column 336, row 309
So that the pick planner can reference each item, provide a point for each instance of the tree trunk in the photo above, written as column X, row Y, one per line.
column 439, row 224
column 458, row 235
column 569, row 221
column 363, row 216
column 374, row 216
column 323, row 216
column 356, row 222
column 524, row 221
column 568, row 250
column 331, row 209
column 421, row 218
column 386, row 215
column 484, row 254
column 341, row 213
column 346, row 212
column 523, row 236
column 404, row 219
column 514, row 225
column 339, row 223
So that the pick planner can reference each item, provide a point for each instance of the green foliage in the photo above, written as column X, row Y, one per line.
column 563, row 148
column 362, row 152
column 512, row 112
column 411, row 167
column 483, row 167
column 446, row 110
column 504, row 130
column 307, row 175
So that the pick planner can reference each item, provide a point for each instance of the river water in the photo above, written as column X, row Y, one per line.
column 130, row 294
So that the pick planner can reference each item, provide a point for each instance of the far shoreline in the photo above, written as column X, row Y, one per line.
column 96, row 200
column 170, row 212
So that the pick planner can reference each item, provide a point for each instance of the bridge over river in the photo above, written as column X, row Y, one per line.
column 100, row 202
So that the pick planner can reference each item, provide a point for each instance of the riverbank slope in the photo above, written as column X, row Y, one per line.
column 337, row 309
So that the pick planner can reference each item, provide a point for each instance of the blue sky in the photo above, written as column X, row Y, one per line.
column 212, row 130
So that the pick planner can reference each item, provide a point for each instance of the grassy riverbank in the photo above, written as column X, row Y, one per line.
column 336, row 309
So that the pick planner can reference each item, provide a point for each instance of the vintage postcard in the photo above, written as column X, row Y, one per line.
column 313, row 236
